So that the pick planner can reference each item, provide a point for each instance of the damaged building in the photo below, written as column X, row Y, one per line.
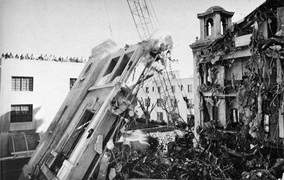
column 239, row 70
column 239, row 84
column 96, row 112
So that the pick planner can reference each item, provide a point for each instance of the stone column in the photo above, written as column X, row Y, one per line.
column 202, row 28
column 217, row 25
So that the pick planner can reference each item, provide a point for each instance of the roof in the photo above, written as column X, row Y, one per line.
column 213, row 9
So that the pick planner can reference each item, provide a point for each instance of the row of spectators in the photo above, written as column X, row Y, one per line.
column 44, row 58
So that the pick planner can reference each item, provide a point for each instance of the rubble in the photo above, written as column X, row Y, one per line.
column 220, row 154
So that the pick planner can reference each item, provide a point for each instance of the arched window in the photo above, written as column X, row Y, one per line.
column 223, row 25
column 209, row 27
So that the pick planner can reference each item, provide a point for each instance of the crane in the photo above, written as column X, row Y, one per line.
column 144, row 17
column 146, row 23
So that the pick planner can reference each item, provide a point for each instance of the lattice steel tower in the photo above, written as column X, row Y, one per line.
column 144, row 17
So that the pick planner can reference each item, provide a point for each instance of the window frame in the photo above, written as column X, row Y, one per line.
column 147, row 89
column 147, row 101
column 160, row 116
column 21, row 115
column 159, row 102
column 22, row 83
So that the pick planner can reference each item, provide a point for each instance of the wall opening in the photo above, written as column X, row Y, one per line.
column 122, row 65
column 223, row 25
column 209, row 27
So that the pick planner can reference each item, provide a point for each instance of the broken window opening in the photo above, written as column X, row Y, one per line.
column 122, row 65
column 271, row 25
column 109, row 70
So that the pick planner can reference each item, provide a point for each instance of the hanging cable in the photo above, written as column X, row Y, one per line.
column 108, row 19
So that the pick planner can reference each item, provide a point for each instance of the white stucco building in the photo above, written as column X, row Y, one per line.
column 181, row 88
column 31, row 92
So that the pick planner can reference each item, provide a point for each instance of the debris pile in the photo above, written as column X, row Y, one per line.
column 219, row 155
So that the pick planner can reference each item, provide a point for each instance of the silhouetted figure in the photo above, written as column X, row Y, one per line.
column 32, row 57
column 22, row 57
column 40, row 57
column 17, row 56
column 27, row 56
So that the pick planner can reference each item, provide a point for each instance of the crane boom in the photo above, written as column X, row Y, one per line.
column 143, row 16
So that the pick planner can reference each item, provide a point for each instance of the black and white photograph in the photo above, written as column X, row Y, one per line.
column 142, row 89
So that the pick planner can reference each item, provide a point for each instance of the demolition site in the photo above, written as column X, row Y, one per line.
column 109, row 126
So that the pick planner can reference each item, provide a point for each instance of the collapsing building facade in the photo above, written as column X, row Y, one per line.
column 239, row 72
column 96, row 112
column 239, row 104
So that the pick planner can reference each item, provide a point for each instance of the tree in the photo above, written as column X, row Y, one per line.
column 145, row 108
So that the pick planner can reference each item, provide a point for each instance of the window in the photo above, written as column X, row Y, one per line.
column 160, row 116
column 119, row 70
column 147, row 101
column 159, row 89
column 21, row 113
column 22, row 83
column 174, row 102
column 159, row 102
column 189, row 88
column 173, row 89
column 72, row 82
column 209, row 27
column 147, row 89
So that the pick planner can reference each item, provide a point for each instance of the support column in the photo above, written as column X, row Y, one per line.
column 217, row 25
column 202, row 28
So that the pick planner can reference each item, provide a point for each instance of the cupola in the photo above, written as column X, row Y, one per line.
column 214, row 22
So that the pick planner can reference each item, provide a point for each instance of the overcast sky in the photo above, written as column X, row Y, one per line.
column 74, row 27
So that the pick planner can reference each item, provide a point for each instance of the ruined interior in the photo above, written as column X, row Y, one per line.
column 240, row 90
column 241, row 75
